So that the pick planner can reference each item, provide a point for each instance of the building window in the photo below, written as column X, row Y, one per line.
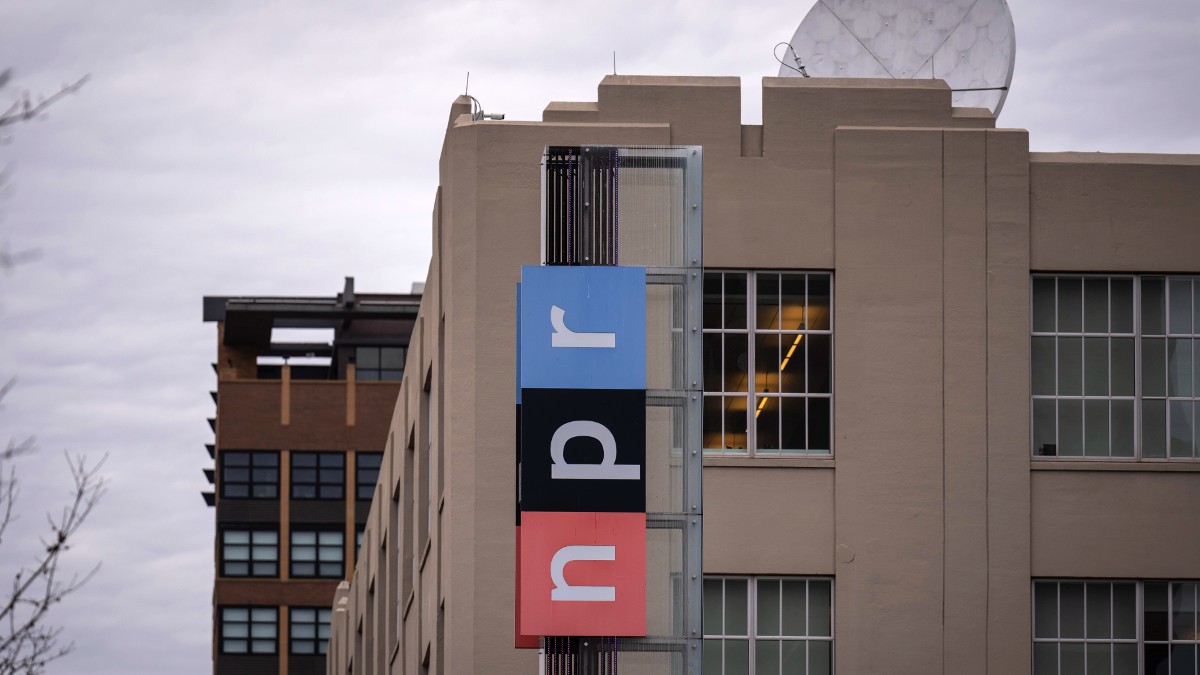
column 768, row 626
column 253, row 475
column 768, row 340
column 249, row 630
column 1093, row 627
column 318, row 553
column 308, row 632
column 367, row 473
column 318, row 475
column 359, row 531
column 1113, row 367
column 379, row 363
column 249, row 553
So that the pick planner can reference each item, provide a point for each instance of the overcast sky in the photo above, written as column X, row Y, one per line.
column 239, row 147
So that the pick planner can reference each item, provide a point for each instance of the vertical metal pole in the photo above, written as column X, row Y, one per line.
column 693, row 451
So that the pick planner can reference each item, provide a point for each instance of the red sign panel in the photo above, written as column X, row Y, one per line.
column 583, row 573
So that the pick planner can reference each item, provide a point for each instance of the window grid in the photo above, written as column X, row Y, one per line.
column 249, row 630
column 746, row 626
column 776, row 325
column 308, row 632
column 318, row 475
column 367, row 473
column 1113, row 367
column 249, row 475
column 379, row 363
column 317, row 553
column 1150, row 627
column 249, row 553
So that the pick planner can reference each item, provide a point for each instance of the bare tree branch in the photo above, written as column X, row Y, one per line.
column 25, row 108
column 27, row 641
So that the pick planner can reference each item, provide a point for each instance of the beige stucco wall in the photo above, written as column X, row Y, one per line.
column 928, row 515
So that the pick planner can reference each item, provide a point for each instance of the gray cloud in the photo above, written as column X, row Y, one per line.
column 274, row 147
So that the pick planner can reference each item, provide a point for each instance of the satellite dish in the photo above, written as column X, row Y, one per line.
column 968, row 43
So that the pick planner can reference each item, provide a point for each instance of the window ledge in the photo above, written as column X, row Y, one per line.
column 1108, row 465
column 425, row 554
column 765, row 462
column 408, row 604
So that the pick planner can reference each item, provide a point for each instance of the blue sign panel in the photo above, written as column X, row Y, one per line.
column 582, row 328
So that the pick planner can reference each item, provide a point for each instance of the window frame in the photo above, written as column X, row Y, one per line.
column 317, row 547
column 1139, row 398
column 376, row 372
column 252, row 465
column 750, row 393
column 753, row 635
column 359, row 484
column 250, row 561
column 320, row 644
column 1139, row 641
column 223, row 625
column 318, row 484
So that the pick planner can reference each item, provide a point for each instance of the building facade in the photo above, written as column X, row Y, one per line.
column 950, row 392
column 304, row 397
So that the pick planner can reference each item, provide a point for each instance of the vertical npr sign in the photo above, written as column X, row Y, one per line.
column 581, row 342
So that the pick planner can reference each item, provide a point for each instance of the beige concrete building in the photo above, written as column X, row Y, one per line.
column 987, row 462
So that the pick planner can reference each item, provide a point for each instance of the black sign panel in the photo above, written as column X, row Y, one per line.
column 583, row 450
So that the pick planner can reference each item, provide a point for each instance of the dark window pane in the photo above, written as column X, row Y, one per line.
column 820, row 659
column 304, row 491
column 1070, row 305
column 1182, row 426
column 236, row 475
column 1070, row 427
column 712, row 300
column 367, row 358
column 735, row 300
column 1045, row 658
column 1099, row 612
column 1125, row 659
column 331, row 492
column 735, row 422
column 792, row 417
column 266, row 459
column 1155, row 612
column 795, row 602
column 1154, row 428
column 819, row 306
column 766, row 362
column 1124, row 611
column 768, row 607
column 365, row 375
column 1179, row 306
column 713, row 374
column 1095, row 366
column 766, row 656
column 236, row 491
column 394, row 375
column 713, row 589
column 818, row 424
column 1045, row 420
column 1122, row 305
column 737, row 657
column 820, row 608
column 792, row 301
column 332, row 460
column 1099, row 659
column 265, row 491
column 303, row 459
column 1183, row 659
column 304, row 476
column 265, row 475
column 1153, row 306
column 712, row 423
column 792, row 658
column 1045, row 610
column 235, row 458
column 1044, row 366
column 1043, row 305
column 1070, row 616
column 766, row 422
column 1122, row 428
column 1158, row 659
column 1070, row 655
column 1070, row 366
column 736, row 362
column 392, row 357
column 1154, row 357
column 712, row 656
column 1122, row 366
column 735, row 606
column 1183, row 611
column 819, row 360
column 1095, row 305
column 1179, row 367
column 1095, row 431
column 767, row 301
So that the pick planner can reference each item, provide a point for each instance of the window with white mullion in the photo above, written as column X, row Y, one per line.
column 767, row 362
column 768, row 625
